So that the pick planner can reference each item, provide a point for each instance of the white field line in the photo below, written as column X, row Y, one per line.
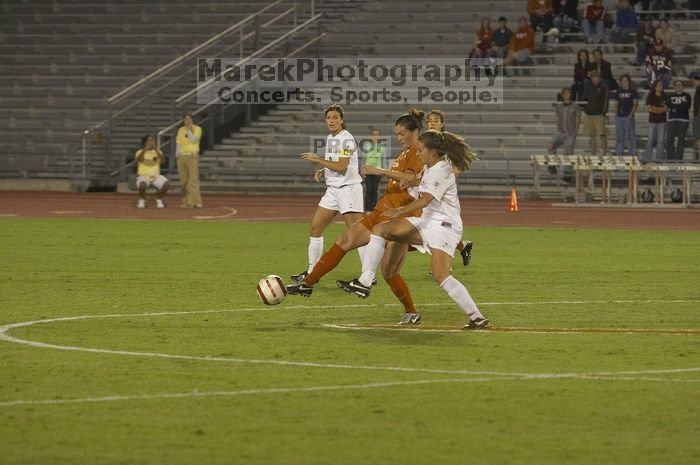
column 514, row 330
column 68, row 212
column 294, row 390
column 180, row 395
column 5, row 337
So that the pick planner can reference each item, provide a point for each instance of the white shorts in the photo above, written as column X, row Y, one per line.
column 156, row 181
column 436, row 235
column 346, row 199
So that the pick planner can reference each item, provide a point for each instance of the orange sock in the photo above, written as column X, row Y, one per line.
column 400, row 289
column 460, row 245
column 325, row 264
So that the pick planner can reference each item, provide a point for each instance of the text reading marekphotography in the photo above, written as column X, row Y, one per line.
column 349, row 80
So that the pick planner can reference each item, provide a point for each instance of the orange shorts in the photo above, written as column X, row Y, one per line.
column 373, row 218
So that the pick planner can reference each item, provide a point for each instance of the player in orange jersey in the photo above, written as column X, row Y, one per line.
column 405, row 168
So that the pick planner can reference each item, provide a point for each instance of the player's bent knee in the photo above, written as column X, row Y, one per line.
column 389, row 270
column 380, row 230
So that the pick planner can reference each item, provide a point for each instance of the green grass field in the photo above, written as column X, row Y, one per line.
column 188, row 367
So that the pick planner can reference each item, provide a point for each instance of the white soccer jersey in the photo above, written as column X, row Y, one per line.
column 439, row 181
column 342, row 145
column 414, row 191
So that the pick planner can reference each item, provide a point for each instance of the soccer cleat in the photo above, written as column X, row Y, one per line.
column 300, row 288
column 479, row 323
column 410, row 319
column 159, row 203
column 374, row 282
column 355, row 287
column 297, row 278
column 466, row 252
column 141, row 204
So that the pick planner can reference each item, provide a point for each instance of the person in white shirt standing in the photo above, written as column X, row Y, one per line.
column 439, row 228
column 339, row 167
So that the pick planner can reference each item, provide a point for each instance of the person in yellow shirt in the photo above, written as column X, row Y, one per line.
column 149, row 159
column 187, row 155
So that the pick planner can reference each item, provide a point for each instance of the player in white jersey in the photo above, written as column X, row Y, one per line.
column 436, row 120
column 438, row 229
column 339, row 167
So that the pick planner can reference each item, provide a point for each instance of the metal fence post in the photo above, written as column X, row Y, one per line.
column 212, row 126
column 108, row 140
column 258, row 34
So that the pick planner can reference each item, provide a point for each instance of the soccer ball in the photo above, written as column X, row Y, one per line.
column 271, row 290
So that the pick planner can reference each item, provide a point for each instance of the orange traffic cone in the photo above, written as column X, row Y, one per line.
column 513, row 206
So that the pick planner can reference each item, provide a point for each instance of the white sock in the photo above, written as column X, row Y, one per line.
column 315, row 251
column 374, row 251
column 460, row 295
column 361, row 252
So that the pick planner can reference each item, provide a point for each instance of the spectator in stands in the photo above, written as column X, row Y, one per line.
column 500, row 39
column 149, row 159
column 595, row 109
column 656, row 135
column 593, row 23
column 695, row 76
column 482, row 40
column 626, row 23
column 565, row 15
column 666, row 34
column 677, row 122
column 521, row 45
column 188, row 137
column 568, row 117
column 627, row 100
column 604, row 69
column 374, row 156
column 645, row 40
column 658, row 64
column 541, row 14
column 581, row 68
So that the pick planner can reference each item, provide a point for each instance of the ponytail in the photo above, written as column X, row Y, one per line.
column 450, row 146
column 413, row 120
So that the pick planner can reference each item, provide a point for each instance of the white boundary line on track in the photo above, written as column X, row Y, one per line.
column 494, row 375
column 232, row 212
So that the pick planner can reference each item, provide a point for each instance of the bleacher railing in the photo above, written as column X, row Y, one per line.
column 208, row 114
column 170, row 80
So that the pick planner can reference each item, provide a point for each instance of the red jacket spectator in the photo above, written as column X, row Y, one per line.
column 594, row 13
column 523, row 38
column 539, row 7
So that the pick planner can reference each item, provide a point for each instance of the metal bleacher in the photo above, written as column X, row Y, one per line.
column 82, row 80
column 505, row 136
column 66, row 64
